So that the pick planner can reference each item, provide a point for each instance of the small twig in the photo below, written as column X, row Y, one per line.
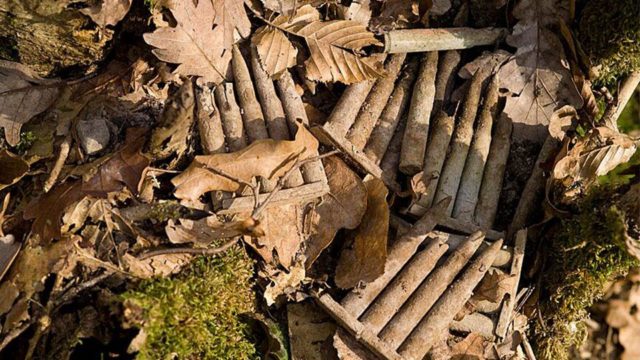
column 260, row 208
column 189, row 250
column 57, row 168
column 73, row 292
column 255, row 189
column 628, row 87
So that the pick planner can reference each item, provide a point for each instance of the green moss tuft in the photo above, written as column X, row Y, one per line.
column 587, row 251
column 609, row 32
column 196, row 315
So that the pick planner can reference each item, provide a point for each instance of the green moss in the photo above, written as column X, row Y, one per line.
column 27, row 138
column 586, row 251
column 196, row 315
column 164, row 211
column 609, row 32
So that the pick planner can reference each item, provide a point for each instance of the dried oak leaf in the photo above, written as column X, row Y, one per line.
column 117, row 171
column 196, row 43
column 206, row 230
column 333, row 46
column 363, row 259
column 107, row 12
column 23, row 95
column 310, row 331
column 266, row 158
column 13, row 168
column 398, row 14
column 494, row 285
column 275, row 51
column 285, row 283
column 595, row 155
column 232, row 17
column 359, row 11
column 342, row 208
column 472, row 347
column 161, row 265
column 538, row 76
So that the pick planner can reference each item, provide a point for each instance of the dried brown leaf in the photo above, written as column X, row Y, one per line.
column 266, row 158
column 161, row 265
column 107, row 12
column 538, row 76
column 205, row 231
column 194, row 43
column 23, row 95
column 233, row 19
column 359, row 11
column 494, row 285
column 472, row 347
column 342, row 208
column 595, row 155
column 117, row 171
column 363, row 260
column 275, row 51
column 310, row 331
column 398, row 14
column 282, row 234
column 333, row 45
column 13, row 168
column 285, row 283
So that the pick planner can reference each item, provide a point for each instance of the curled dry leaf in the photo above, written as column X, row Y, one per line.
column 194, row 43
column 107, row 12
column 494, row 285
column 13, row 168
column 333, row 45
column 115, row 172
column 538, row 76
column 275, row 51
column 285, row 283
column 398, row 14
column 342, row 208
column 359, row 11
column 232, row 17
column 595, row 155
column 161, row 265
column 266, row 158
column 205, row 231
column 363, row 259
column 281, row 233
column 23, row 95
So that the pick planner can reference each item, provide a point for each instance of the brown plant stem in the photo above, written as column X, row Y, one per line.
column 65, row 146
column 629, row 86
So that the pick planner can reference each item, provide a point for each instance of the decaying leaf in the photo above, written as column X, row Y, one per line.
column 275, row 51
column 171, row 136
column 471, row 348
column 310, row 331
column 206, row 230
column 161, row 265
column 288, row 7
column 23, row 95
column 285, row 283
column 398, row 14
column 13, row 168
column 494, row 285
column 107, row 12
column 538, row 75
column 342, row 208
column 363, row 259
column 117, row 171
column 333, row 45
column 359, row 10
column 232, row 17
column 595, row 155
column 282, row 234
column 266, row 158
column 195, row 42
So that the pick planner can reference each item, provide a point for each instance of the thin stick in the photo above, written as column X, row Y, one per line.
column 188, row 250
column 454, row 164
column 345, row 112
column 295, row 112
column 209, row 122
column 391, row 160
column 417, row 131
column 393, row 111
column 417, row 40
column 629, row 86
column 429, row 292
column 432, row 328
column 467, row 197
column 491, row 187
column 375, row 103
column 273, row 111
column 230, row 117
column 65, row 146
column 447, row 66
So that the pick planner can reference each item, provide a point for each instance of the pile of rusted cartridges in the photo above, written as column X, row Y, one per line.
column 266, row 113
column 406, row 122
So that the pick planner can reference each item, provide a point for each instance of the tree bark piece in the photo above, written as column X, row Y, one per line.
column 273, row 111
column 418, row 40
column 209, row 122
column 344, row 113
column 434, row 326
column 417, row 130
column 454, row 164
column 506, row 313
column 491, row 187
column 375, row 103
column 393, row 111
column 294, row 111
column 447, row 66
column 391, row 160
column 467, row 197
column 405, row 283
column 421, row 301
column 230, row 116
column 356, row 302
